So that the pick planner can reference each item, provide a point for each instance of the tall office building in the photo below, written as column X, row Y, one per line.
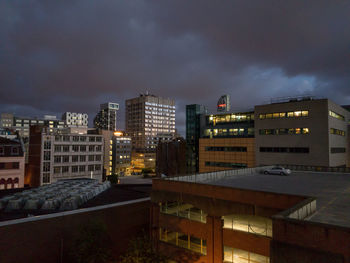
column 106, row 119
column 148, row 119
column 193, row 128
column 63, row 154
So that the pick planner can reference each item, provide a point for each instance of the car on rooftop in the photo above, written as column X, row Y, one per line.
column 277, row 170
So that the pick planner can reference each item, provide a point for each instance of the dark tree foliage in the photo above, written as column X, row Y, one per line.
column 113, row 178
column 92, row 244
column 140, row 251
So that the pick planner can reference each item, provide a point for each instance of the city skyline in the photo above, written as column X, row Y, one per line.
column 58, row 57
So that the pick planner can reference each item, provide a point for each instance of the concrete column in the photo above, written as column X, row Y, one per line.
column 154, row 224
column 215, row 247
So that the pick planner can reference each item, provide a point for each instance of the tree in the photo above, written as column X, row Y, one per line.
column 141, row 251
column 113, row 178
column 91, row 246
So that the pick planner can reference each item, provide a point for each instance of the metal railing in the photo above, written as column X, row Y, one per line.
column 215, row 176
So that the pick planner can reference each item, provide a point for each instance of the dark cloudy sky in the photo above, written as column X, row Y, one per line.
column 58, row 56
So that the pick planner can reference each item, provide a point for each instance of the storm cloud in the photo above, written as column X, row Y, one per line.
column 58, row 56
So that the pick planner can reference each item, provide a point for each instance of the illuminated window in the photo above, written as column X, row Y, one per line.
column 290, row 114
column 297, row 113
column 269, row 116
column 305, row 113
column 276, row 115
column 306, row 131
column 291, row 131
column 262, row 116
column 282, row 114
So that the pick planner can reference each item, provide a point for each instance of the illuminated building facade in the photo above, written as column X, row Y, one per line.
column 292, row 132
column 148, row 119
column 120, row 154
column 227, row 142
column 304, row 131
column 64, row 154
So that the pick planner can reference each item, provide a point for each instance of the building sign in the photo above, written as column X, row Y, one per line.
column 224, row 104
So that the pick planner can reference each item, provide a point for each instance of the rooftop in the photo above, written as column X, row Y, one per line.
column 331, row 190
column 80, row 188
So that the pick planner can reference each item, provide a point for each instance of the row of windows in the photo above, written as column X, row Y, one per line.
column 338, row 150
column 336, row 115
column 285, row 149
column 9, row 183
column 282, row 131
column 289, row 114
column 228, row 118
column 77, row 158
column 226, row 149
column 337, row 132
column 14, row 150
column 226, row 165
column 68, row 138
column 229, row 132
column 9, row 165
column 76, row 169
column 78, row 148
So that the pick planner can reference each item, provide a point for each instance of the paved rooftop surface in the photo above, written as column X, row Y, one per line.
column 332, row 191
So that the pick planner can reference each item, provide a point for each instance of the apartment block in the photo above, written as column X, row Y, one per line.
column 106, row 118
column 73, row 119
column 63, row 154
column 11, row 163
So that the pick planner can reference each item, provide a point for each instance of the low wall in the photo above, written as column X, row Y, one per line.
column 50, row 238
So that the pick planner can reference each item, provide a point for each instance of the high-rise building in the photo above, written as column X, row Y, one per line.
column 106, row 118
column 148, row 119
column 63, row 154
column 194, row 114
column 73, row 119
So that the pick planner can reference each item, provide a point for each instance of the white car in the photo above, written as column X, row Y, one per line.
column 277, row 170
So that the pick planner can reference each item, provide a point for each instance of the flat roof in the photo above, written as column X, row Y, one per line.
column 331, row 190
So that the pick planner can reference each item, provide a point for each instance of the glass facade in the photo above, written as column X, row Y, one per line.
column 183, row 210
column 336, row 115
column 229, row 118
column 249, row 223
column 284, row 131
column 228, row 132
column 193, row 129
column 182, row 240
column 236, row 255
